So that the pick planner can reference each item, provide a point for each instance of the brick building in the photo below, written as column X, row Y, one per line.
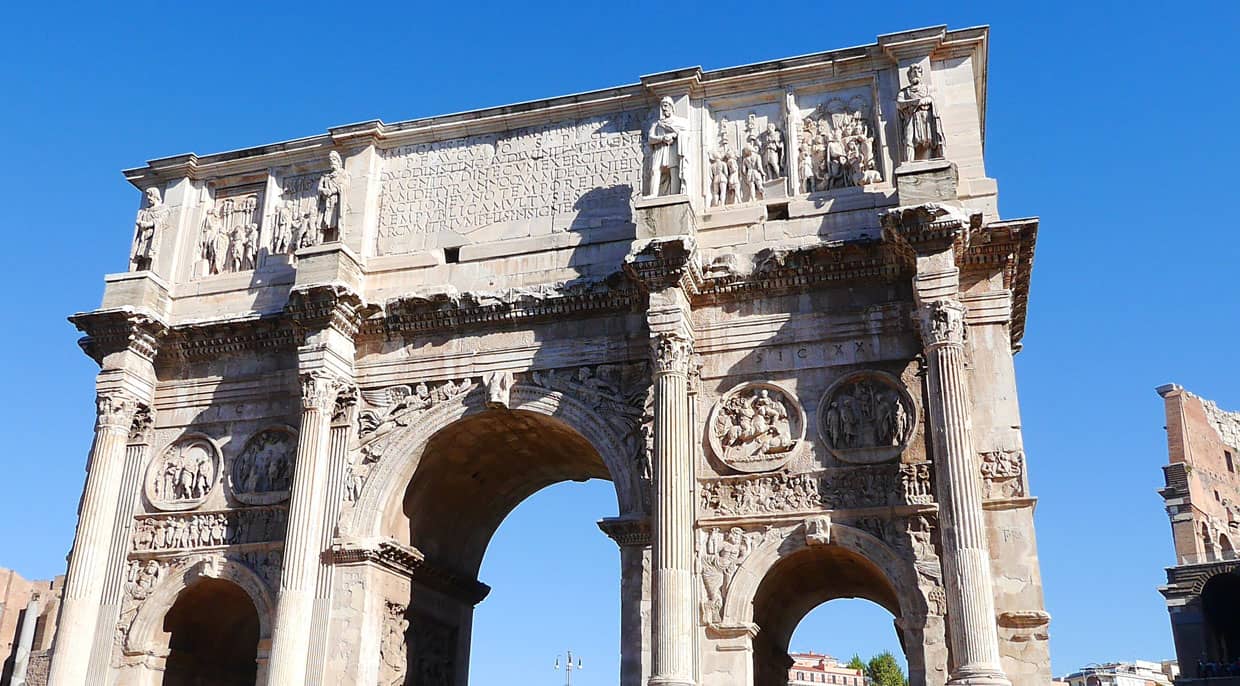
column 819, row 668
column 27, row 611
column 1202, row 497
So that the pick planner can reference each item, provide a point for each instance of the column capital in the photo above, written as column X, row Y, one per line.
column 942, row 323
column 320, row 389
column 115, row 409
column 671, row 353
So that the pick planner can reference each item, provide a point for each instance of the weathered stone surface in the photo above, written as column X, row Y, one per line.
column 346, row 358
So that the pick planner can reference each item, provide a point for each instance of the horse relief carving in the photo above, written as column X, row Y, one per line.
column 756, row 427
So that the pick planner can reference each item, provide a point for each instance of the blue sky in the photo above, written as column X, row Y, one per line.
column 1114, row 122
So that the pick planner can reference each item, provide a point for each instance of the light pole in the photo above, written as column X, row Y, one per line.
column 568, row 668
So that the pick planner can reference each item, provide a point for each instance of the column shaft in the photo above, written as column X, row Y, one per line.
column 673, row 516
column 79, row 610
column 321, row 614
column 291, row 642
column 25, row 641
column 966, row 555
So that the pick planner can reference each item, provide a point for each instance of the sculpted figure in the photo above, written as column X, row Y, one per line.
column 723, row 558
column 667, row 154
column 733, row 167
column 773, row 152
column 751, row 170
column 718, row 180
column 919, row 119
column 282, row 235
column 150, row 219
column 499, row 388
column 212, row 245
column 332, row 200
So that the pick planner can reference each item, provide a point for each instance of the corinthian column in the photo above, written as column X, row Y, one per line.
column 673, row 588
column 966, row 557
column 88, row 561
column 304, row 538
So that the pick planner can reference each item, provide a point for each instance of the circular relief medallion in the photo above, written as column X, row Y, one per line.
column 756, row 427
column 866, row 417
column 263, row 473
column 182, row 476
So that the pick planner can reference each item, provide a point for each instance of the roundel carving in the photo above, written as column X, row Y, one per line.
column 756, row 427
column 866, row 417
column 184, row 474
column 263, row 473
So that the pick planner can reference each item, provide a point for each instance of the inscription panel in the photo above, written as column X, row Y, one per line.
column 575, row 175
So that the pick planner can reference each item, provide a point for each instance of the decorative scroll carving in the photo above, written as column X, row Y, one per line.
column 942, row 323
column 388, row 408
column 920, row 126
column 499, row 388
column 263, row 473
column 671, row 354
column 333, row 198
column 149, row 223
column 393, row 648
column 866, row 417
column 184, row 474
column 836, row 149
column 228, row 239
column 666, row 138
column 1003, row 473
column 831, row 489
column 162, row 533
column 115, row 409
column 756, row 427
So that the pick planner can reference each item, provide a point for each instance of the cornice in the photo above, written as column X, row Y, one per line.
column 1009, row 246
column 666, row 262
column 116, row 330
column 206, row 340
column 627, row 531
column 316, row 308
column 411, row 562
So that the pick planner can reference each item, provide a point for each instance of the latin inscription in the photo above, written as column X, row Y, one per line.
column 437, row 194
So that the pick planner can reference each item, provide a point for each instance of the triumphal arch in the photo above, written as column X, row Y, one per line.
column 775, row 305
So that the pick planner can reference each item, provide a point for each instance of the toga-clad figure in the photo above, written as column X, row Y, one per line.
column 665, row 137
column 922, row 128
column 332, row 202
column 148, row 222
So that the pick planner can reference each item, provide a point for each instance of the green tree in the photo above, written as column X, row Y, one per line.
column 857, row 663
column 883, row 670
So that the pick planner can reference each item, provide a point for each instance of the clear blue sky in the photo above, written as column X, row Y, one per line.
column 1114, row 122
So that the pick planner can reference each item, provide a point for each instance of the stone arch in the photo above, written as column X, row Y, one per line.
column 386, row 483
column 147, row 624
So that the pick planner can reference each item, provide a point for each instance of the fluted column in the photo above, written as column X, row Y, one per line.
column 966, row 556
column 84, row 583
column 338, row 466
column 673, row 512
column 25, row 640
column 303, row 541
column 99, row 672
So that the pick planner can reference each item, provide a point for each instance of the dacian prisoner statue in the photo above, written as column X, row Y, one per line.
column 774, row 306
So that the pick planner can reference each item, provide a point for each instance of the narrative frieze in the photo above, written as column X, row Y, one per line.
column 831, row 489
column 439, row 193
column 160, row 533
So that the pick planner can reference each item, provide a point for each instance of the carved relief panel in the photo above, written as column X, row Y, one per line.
column 866, row 417
column 295, row 219
column 228, row 239
column 183, row 474
column 746, row 159
column 263, row 472
column 756, row 427
column 836, row 145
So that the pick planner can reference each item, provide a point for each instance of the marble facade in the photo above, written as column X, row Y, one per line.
column 775, row 305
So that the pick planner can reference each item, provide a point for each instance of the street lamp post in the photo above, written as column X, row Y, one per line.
column 568, row 668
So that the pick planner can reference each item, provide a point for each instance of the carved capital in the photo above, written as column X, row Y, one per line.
column 115, row 410
column 671, row 354
column 318, row 308
column 319, row 390
column 929, row 227
column 142, row 427
column 942, row 323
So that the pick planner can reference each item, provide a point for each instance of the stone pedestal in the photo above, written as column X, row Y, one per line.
column 88, row 562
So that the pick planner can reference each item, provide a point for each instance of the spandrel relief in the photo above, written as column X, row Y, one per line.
column 756, row 427
column 263, row 472
column 866, row 417
column 147, row 227
column 183, row 474
column 747, row 162
column 836, row 146
column 228, row 239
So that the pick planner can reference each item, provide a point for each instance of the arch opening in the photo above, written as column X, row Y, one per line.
column 213, row 635
column 796, row 585
column 1220, row 602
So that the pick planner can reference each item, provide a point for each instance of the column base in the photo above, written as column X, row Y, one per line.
column 978, row 677
column 671, row 681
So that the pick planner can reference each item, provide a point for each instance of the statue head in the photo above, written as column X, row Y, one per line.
column 333, row 158
column 914, row 74
column 770, row 126
column 736, row 534
column 152, row 197
column 666, row 107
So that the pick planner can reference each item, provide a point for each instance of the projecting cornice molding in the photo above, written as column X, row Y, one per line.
column 117, row 330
